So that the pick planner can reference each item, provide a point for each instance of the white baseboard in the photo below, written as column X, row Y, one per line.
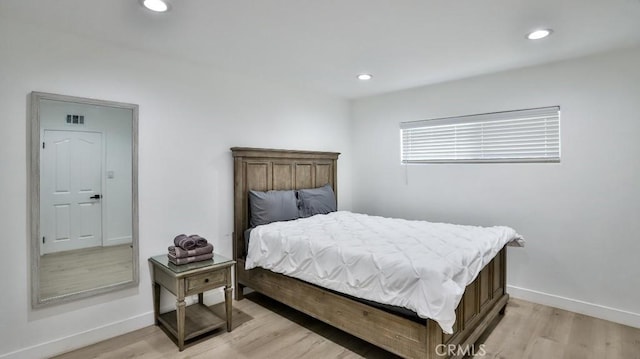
column 92, row 336
column 210, row 298
column 594, row 310
column 82, row 339
column 117, row 241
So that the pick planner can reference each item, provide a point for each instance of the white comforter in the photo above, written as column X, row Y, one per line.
column 417, row 265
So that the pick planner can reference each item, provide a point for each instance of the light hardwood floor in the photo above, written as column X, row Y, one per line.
column 82, row 269
column 266, row 329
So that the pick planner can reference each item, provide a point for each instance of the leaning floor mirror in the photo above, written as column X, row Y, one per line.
column 84, row 197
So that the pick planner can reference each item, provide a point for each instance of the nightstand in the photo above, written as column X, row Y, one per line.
column 187, row 322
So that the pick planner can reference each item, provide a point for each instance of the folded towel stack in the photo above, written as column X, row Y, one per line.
column 189, row 249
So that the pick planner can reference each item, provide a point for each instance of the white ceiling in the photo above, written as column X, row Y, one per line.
column 323, row 44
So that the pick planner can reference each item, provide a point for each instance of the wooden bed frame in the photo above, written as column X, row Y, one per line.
column 268, row 169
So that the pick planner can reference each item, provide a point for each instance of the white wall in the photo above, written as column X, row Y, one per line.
column 581, row 217
column 190, row 116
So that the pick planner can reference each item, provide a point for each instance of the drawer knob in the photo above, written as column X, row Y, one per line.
column 206, row 280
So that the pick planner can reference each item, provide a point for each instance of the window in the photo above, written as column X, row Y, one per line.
column 512, row 136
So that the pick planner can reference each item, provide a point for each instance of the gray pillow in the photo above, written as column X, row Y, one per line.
column 272, row 206
column 317, row 201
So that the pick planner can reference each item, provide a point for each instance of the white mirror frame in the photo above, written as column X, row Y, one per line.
column 36, row 300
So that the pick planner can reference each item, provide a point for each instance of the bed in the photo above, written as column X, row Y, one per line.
column 483, row 300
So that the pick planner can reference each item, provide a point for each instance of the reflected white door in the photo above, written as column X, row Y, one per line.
column 71, row 189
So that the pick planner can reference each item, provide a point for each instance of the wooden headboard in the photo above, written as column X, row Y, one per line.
column 269, row 169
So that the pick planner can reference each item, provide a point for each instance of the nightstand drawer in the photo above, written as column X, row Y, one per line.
column 202, row 282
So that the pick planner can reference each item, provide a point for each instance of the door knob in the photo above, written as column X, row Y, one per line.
column 96, row 197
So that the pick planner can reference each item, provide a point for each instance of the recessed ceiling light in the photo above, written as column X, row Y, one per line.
column 156, row 5
column 539, row 34
column 364, row 77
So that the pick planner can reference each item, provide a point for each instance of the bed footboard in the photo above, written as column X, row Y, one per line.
column 482, row 302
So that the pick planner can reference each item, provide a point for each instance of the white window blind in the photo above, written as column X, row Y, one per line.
column 513, row 136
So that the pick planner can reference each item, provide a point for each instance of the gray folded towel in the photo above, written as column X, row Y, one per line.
column 200, row 241
column 179, row 261
column 181, row 253
column 184, row 242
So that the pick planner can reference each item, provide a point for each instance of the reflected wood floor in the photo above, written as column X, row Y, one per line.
column 82, row 269
column 263, row 328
